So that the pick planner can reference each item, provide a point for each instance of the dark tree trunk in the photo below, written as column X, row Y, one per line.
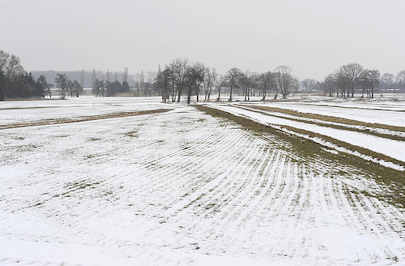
column 189, row 96
column 179, row 95
column 1, row 94
column 264, row 94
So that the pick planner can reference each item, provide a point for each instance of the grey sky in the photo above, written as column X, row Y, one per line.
column 313, row 37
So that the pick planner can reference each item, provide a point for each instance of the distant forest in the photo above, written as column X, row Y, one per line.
column 85, row 77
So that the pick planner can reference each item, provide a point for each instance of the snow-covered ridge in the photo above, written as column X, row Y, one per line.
column 389, row 147
column 366, row 115
column 365, row 129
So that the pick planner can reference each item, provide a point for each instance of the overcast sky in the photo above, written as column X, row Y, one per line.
column 313, row 37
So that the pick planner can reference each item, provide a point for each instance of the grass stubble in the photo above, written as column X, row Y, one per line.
column 392, row 180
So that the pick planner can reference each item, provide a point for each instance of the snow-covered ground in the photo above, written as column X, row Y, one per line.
column 181, row 188
column 387, row 101
column 393, row 148
column 24, row 111
column 394, row 118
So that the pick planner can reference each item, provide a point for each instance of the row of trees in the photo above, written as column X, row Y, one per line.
column 351, row 79
column 389, row 81
column 107, row 88
column 15, row 82
column 180, row 78
column 67, row 86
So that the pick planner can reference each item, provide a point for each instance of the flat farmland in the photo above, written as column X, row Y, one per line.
column 131, row 181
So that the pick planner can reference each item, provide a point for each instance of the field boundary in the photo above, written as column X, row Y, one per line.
column 81, row 119
column 328, row 118
column 318, row 123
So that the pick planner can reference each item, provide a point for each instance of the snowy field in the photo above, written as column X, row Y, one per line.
column 25, row 111
column 183, row 187
column 392, row 148
column 387, row 101
column 383, row 116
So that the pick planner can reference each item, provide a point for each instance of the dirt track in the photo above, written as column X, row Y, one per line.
column 80, row 119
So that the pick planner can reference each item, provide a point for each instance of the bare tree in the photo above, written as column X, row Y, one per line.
column 221, row 82
column 400, row 79
column 330, row 84
column 214, row 81
column 4, row 57
column 194, row 78
column 351, row 73
column 14, row 67
column 210, row 77
column 77, row 88
column 179, row 68
column 267, row 83
column 162, row 83
column 387, row 81
column 244, row 83
column 232, row 77
column 255, row 82
column 44, row 86
column 70, row 87
column 61, row 81
column 167, row 83
column 285, row 81
column 374, row 80
column 310, row 84
column 2, row 81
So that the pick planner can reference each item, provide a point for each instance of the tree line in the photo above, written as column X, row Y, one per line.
column 353, row 78
column 181, row 78
column 15, row 82
column 107, row 87
column 67, row 86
